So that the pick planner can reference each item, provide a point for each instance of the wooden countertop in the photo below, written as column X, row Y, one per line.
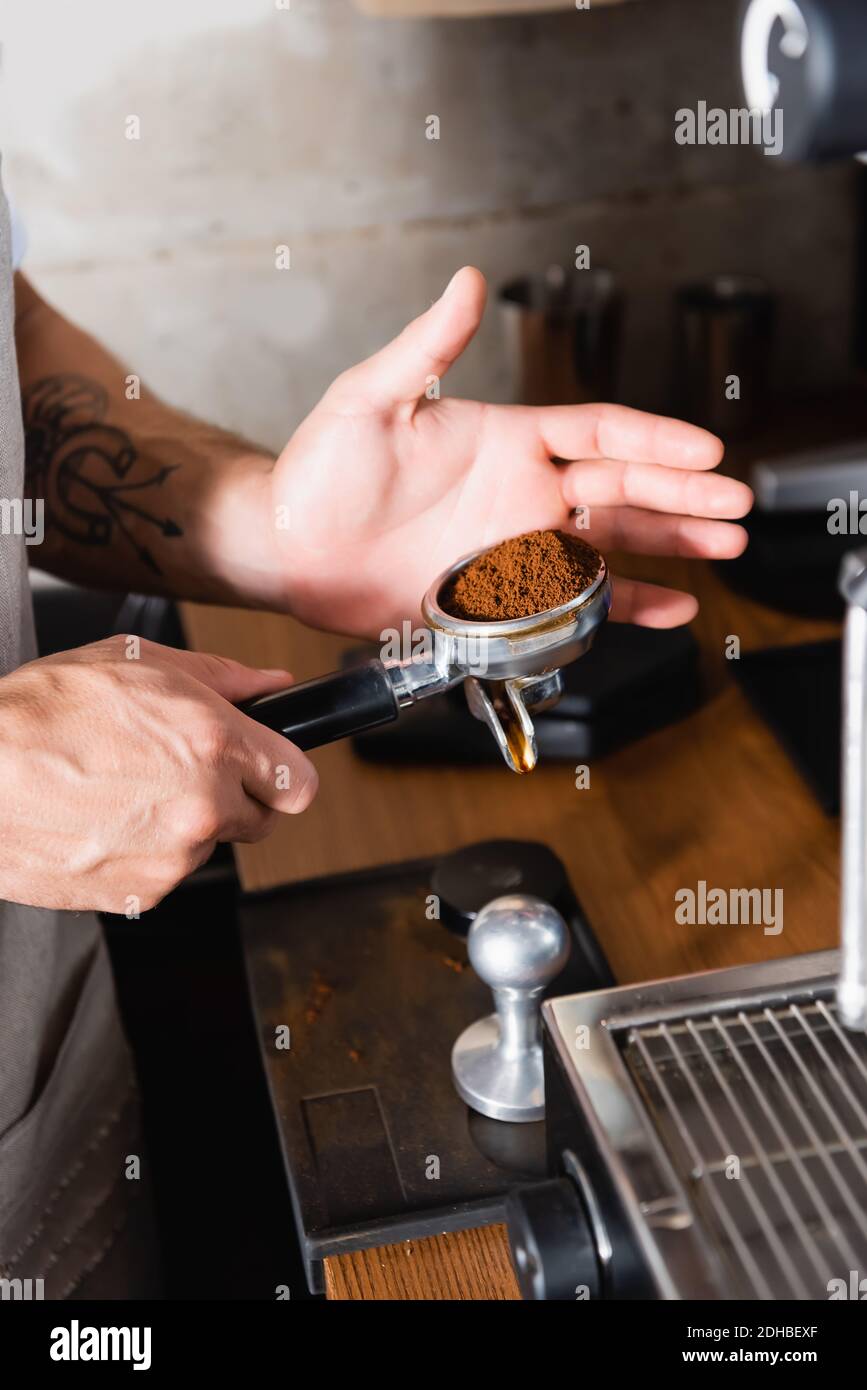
column 713, row 797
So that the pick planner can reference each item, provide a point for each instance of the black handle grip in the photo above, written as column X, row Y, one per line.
column 329, row 707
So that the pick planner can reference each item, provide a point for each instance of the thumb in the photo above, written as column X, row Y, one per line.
column 399, row 373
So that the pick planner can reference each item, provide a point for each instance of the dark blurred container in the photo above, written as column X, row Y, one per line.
column 562, row 336
column 725, row 328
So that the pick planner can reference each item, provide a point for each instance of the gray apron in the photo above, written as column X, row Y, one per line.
column 69, row 1215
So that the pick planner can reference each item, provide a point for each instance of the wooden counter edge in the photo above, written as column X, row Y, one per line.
column 469, row 1265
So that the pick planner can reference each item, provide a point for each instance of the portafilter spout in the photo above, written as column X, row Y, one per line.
column 508, row 669
column 852, row 984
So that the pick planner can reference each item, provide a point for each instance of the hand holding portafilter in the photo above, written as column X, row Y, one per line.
column 508, row 667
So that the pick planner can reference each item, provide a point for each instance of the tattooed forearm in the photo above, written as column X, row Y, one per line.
column 135, row 493
column 97, row 489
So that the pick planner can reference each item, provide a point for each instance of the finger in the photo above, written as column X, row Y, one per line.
column 649, row 605
column 228, row 678
column 661, row 533
column 612, row 483
column 273, row 770
column 617, row 431
column 221, row 674
column 427, row 347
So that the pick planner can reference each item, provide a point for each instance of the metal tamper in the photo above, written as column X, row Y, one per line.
column 517, row 945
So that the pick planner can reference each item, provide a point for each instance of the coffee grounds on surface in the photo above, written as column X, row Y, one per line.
column 521, row 577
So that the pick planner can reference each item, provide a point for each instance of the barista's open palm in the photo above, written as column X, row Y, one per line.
column 383, row 485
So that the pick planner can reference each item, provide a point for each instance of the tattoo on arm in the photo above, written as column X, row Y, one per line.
column 89, row 474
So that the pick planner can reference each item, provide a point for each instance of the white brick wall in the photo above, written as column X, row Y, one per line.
column 307, row 127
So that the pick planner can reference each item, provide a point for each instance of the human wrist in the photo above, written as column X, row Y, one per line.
column 239, row 536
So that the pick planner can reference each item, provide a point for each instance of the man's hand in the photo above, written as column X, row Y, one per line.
column 381, row 488
column 119, row 776
column 378, row 491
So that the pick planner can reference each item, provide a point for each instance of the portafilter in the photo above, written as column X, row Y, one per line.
column 509, row 669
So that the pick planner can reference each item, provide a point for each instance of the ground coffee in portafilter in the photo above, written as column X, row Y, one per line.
column 526, row 575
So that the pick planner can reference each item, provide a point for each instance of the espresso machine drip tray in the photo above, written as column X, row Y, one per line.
column 713, row 1132
column 762, row 1112
column 361, row 985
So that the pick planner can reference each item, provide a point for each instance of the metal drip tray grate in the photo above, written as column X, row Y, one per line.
column 762, row 1111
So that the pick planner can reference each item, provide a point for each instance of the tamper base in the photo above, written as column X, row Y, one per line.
column 502, row 1087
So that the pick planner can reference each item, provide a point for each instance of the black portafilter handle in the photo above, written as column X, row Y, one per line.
column 330, row 707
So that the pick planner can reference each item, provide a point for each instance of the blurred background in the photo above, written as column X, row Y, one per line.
column 307, row 127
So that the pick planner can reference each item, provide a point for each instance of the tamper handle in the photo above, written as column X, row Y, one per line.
column 517, row 945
